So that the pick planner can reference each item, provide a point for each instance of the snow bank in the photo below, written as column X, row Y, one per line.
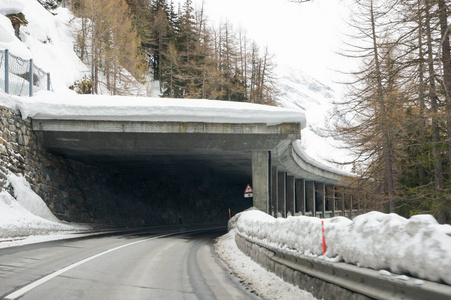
column 28, row 199
column 417, row 246
column 8, row 39
column 26, row 214
column 11, row 7
column 265, row 284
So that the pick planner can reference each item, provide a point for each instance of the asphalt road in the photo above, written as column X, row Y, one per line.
column 144, row 265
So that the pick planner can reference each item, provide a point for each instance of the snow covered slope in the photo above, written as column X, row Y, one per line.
column 46, row 39
column 26, row 214
column 303, row 92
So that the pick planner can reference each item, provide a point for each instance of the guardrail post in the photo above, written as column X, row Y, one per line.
column 30, row 78
column 48, row 81
column 7, row 71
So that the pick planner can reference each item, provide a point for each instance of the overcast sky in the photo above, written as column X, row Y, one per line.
column 303, row 35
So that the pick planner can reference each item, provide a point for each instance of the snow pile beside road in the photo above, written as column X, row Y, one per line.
column 417, row 246
column 26, row 214
column 30, row 200
column 265, row 284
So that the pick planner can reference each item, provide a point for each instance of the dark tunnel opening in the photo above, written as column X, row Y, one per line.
column 158, row 189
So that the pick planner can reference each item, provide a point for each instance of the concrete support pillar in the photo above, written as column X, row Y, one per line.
column 358, row 204
column 350, row 207
column 310, row 197
column 274, row 191
column 321, row 194
column 331, row 199
column 290, row 195
column 282, row 193
column 358, row 197
column 365, row 203
column 343, row 203
column 260, row 179
column 300, row 195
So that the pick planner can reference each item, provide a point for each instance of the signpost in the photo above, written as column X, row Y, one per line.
column 248, row 192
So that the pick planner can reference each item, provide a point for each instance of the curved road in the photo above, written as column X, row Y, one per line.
column 145, row 265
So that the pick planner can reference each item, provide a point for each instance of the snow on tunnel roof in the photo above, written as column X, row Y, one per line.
column 68, row 106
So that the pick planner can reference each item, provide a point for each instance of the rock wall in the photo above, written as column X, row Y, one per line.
column 51, row 177
column 110, row 194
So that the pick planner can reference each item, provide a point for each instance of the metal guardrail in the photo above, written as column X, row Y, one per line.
column 21, row 77
column 363, row 281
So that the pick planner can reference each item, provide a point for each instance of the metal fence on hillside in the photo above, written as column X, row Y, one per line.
column 20, row 76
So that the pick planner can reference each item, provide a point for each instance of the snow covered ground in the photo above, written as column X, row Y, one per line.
column 265, row 284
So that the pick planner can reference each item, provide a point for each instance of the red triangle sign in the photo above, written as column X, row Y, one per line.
column 248, row 189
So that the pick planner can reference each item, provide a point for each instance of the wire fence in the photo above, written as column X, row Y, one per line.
column 20, row 76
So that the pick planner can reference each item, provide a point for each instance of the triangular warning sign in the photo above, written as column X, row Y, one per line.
column 248, row 189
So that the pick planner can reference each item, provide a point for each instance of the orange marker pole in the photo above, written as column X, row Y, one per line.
column 230, row 215
column 324, row 237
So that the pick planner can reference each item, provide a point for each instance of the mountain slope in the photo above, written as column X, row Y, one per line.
column 316, row 100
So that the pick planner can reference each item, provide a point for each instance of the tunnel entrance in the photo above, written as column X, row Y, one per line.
column 165, row 172
column 162, row 187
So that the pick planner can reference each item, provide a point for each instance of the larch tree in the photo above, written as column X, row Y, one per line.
column 367, row 115
column 397, row 115
column 114, row 44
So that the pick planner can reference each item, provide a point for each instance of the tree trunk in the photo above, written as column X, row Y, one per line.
column 387, row 142
column 421, row 95
column 446, row 60
column 438, row 172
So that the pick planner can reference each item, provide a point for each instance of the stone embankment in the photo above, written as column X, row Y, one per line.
column 51, row 177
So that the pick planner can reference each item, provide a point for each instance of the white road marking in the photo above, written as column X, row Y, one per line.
column 43, row 280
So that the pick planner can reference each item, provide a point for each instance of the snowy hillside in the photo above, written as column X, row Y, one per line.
column 46, row 39
column 316, row 100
